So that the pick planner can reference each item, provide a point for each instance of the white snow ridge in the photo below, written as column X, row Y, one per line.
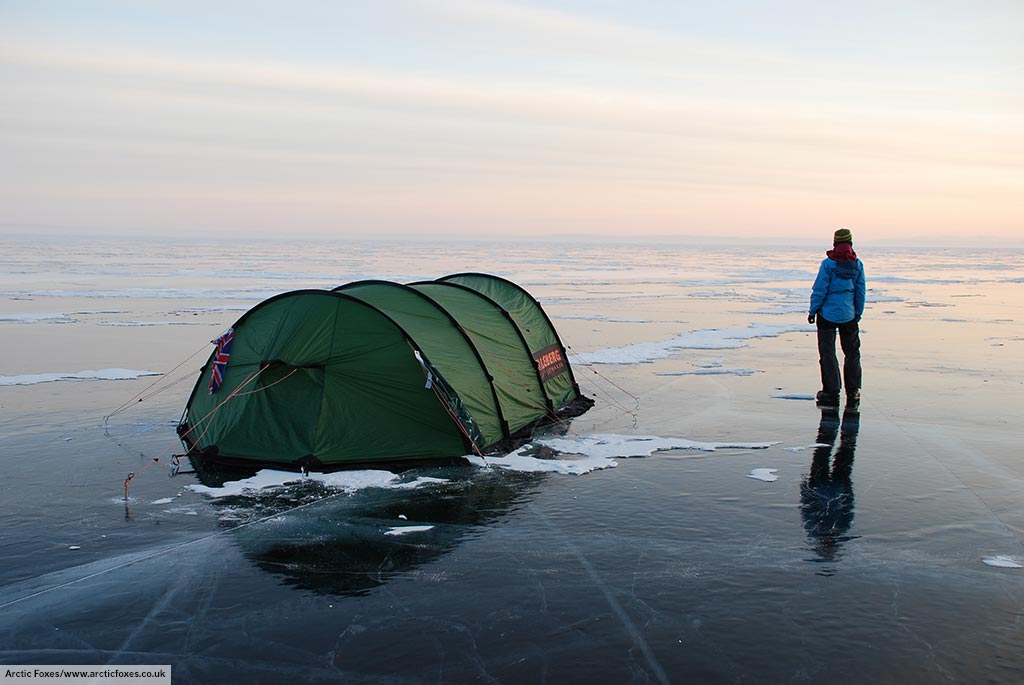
column 101, row 375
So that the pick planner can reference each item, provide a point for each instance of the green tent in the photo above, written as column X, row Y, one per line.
column 378, row 371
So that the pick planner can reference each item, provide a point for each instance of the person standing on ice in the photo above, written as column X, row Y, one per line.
column 837, row 303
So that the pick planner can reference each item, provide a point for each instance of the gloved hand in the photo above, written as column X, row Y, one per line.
column 810, row 318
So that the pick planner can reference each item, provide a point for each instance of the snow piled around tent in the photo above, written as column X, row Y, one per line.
column 571, row 456
column 343, row 481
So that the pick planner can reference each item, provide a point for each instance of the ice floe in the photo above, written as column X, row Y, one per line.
column 405, row 530
column 1003, row 561
column 767, row 475
column 101, row 375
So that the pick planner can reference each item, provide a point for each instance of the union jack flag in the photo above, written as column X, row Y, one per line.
column 220, row 360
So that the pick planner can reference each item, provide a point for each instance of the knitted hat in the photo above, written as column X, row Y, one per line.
column 843, row 235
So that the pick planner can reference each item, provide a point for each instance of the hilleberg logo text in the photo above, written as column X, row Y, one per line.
column 550, row 362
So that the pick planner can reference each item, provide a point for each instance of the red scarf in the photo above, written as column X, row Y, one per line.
column 843, row 252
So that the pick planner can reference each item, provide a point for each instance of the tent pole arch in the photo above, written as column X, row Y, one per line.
column 540, row 309
column 549, row 405
column 506, row 433
column 182, row 426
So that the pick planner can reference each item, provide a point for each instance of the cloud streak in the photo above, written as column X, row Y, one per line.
column 708, row 134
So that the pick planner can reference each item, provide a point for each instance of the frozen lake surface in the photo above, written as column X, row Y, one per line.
column 705, row 522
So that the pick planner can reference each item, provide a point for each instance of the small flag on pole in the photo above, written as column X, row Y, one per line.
column 220, row 360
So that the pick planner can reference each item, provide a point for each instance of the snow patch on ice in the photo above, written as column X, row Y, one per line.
column 101, row 375
column 404, row 530
column 807, row 447
column 220, row 308
column 780, row 309
column 597, row 317
column 59, row 317
column 165, row 500
column 767, row 475
column 151, row 323
column 1003, row 561
column 710, row 372
column 32, row 318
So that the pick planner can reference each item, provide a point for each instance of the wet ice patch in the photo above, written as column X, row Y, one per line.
column 706, row 339
column 405, row 530
column 343, row 481
column 101, row 375
column 586, row 453
column 1002, row 561
column 767, row 475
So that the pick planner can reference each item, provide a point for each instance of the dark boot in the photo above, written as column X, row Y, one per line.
column 827, row 399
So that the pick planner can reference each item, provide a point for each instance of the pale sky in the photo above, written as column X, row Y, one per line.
column 492, row 118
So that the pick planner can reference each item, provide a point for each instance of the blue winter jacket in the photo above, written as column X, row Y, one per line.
column 839, row 290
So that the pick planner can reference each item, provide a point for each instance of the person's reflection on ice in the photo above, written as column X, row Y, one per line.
column 826, row 494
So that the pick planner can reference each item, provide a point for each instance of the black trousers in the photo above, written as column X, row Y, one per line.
column 849, row 340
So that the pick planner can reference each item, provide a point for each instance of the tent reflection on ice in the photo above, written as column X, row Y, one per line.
column 377, row 371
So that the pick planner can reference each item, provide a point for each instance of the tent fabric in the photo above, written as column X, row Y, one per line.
column 534, row 325
column 443, row 342
column 378, row 371
column 504, row 353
